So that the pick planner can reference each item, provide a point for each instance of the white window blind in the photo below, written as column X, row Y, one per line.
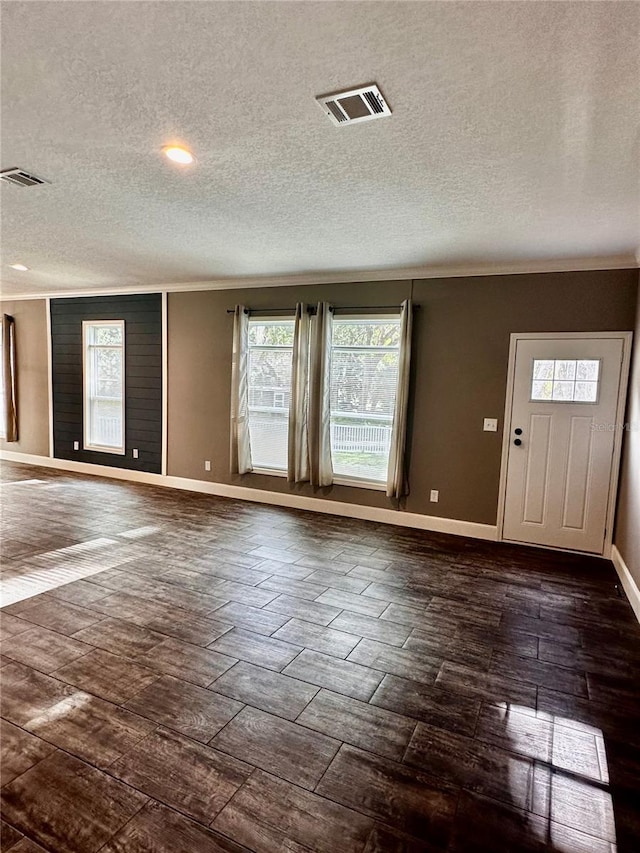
column 270, row 359
column 364, row 380
column 103, row 343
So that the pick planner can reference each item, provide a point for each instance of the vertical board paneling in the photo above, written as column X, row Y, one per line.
column 142, row 314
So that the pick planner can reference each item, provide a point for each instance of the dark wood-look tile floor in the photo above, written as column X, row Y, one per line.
column 186, row 673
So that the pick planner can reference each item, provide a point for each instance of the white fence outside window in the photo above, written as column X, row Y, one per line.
column 270, row 425
column 108, row 430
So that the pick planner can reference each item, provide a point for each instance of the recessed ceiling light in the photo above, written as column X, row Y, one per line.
column 20, row 267
column 178, row 154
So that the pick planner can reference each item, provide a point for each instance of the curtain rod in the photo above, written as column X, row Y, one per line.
column 368, row 307
column 312, row 308
column 264, row 310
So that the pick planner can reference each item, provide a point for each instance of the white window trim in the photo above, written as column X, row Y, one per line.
column 86, row 378
column 361, row 482
column 270, row 472
column 275, row 320
column 3, row 425
column 376, row 485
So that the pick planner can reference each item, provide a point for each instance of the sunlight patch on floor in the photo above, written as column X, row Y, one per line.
column 569, row 784
column 61, row 709
column 140, row 532
column 57, row 568
column 22, row 483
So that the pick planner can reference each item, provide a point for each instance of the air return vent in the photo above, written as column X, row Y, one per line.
column 354, row 105
column 21, row 178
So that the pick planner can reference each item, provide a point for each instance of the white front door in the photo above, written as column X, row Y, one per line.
column 562, row 435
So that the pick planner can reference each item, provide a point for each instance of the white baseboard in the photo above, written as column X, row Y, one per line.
column 626, row 579
column 381, row 515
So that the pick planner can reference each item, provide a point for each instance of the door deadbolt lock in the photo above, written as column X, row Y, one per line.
column 517, row 442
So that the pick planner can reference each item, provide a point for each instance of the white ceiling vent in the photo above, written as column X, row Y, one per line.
column 21, row 178
column 355, row 105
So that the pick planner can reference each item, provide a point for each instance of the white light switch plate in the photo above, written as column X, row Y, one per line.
column 490, row 425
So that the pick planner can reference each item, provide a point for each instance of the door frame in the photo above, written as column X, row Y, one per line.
column 627, row 339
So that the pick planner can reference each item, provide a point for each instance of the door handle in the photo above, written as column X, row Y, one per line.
column 517, row 442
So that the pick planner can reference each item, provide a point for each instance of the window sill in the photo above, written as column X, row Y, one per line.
column 98, row 449
column 360, row 484
column 269, row 472
column 337, row 481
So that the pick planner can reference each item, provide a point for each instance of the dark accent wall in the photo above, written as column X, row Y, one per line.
column 142, row 315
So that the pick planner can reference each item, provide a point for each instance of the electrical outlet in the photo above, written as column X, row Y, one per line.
column 434, row 496
column 135, row 452
column 207, row 465
column 76, row 445
column 490, row 425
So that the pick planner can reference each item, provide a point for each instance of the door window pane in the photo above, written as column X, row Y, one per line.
column 543, row 369
column 588, row 369
column 564, row 369
column 586, row 392
column 542, row 390
column 562, row 390
column 565, row 380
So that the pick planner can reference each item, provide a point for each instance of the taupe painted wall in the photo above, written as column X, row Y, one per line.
column 33, row 380
column 461, row 350
column 627, row 532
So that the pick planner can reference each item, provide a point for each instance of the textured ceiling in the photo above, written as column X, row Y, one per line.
column 514, row 138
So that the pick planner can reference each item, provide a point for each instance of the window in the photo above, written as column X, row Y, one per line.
column 103, row 345
column 8, row 409
column 565, row 380
column 364, row 379
column 269, row 380
column 3, row 405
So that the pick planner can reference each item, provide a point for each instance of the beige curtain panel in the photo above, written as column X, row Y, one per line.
column 240, row 442
column 397, row 485
column 9, row 413
column 319, row 427
column 298, row 450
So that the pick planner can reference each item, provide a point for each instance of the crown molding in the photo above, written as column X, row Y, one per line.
column 612, row 262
